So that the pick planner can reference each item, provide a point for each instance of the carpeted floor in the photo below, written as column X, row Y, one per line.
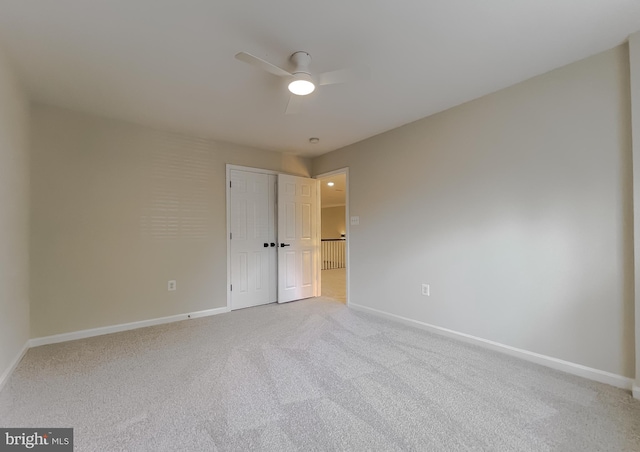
column 311, row 375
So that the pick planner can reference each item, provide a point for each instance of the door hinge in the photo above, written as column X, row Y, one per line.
column 229, row 184
column 231, row 287
column 230, row 235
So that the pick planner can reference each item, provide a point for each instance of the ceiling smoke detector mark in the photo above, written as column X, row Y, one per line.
column 314, row 140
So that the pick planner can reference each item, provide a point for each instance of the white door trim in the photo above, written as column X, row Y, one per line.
column 347, row 221
column 228, row 193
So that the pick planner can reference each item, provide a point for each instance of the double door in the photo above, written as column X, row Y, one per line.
column 274, row 243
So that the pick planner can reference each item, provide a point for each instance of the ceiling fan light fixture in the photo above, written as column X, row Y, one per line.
column 302, row 85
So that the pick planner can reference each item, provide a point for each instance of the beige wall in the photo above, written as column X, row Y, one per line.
column 14, row 218
column 515, row 207
column 333, row 222
column 118, row 210
column 634, row 55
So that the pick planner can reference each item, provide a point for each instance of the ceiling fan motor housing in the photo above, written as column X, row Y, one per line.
column 302, row 83
column 301, row 60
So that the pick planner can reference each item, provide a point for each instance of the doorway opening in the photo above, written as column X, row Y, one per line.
column 334, row 230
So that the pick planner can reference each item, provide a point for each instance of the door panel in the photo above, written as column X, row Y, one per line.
column 290, row 221
column 242, row 282
column 253, row 266
column 298, row 238
column 306, row 221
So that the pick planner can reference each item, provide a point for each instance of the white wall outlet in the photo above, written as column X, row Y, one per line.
column 171, row 285
column 355, row 221
column 426, row 290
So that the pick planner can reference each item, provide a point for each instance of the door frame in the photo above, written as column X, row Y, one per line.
column 347, row 221
column 228, row 194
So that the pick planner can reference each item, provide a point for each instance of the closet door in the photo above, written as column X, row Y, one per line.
column 253, row 239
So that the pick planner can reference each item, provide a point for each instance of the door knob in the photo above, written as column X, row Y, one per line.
column 266, row 245
column 272, row 244
column 282, row 245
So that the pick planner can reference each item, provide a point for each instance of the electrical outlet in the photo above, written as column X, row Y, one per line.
column 426, row 290
column 171, row 285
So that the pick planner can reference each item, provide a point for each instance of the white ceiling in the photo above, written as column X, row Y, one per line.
column 170, row 64
column 335, row 195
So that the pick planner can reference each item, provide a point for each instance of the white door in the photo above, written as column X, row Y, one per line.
column 253, row 239
column 297, row 238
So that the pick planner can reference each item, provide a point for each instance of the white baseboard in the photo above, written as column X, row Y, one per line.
column 548, row 361
column 7, row 373
column 64, row 337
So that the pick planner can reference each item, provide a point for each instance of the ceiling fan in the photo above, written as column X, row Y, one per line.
column 302, row 82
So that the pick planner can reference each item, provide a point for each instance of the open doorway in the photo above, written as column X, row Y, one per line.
column 334, row 235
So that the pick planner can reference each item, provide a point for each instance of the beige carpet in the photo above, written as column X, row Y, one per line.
column 310, row 376
column 334, row 284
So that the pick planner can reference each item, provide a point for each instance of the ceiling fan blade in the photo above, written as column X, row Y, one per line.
column 262, row 64
column 295, row 104
column 343, row 76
